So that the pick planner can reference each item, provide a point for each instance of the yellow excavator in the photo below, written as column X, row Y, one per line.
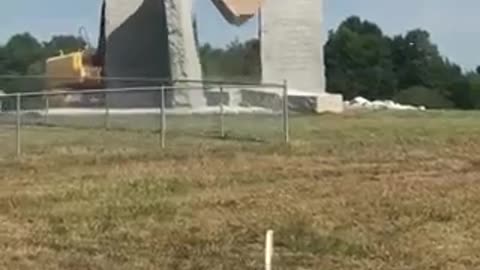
column 73, row 71
column 78, row 70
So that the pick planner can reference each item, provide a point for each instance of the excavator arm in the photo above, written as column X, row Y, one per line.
column 238, row 12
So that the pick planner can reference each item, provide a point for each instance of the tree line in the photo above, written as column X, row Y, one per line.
column 360, row 61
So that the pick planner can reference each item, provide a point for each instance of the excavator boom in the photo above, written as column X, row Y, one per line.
column 238, row 12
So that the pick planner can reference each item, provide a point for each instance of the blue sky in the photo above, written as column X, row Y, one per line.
column 454, row 24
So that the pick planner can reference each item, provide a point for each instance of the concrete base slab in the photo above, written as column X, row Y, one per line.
column 327, row 102
column 299, row 101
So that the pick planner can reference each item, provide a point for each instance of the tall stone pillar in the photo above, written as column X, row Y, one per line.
column 292, row 45
column 184, row 60
column 292, row 49
column 152, row 39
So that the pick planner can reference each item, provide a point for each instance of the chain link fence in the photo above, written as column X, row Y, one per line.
column 169, row 112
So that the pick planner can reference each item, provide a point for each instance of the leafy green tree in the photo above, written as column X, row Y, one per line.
column 415, row 57
column 358, row 61
column 21, row 51
column 3, row 60
column 423, row 96
column 418, row 62
column 66, row 44
column 238, row 61
column 474, row 87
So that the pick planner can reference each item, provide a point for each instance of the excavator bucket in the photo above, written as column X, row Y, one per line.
column 238, row 12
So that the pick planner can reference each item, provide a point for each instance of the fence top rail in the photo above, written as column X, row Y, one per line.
column 148, row 79
column 112, row 90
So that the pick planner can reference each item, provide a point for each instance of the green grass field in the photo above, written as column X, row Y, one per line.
column 356, row 191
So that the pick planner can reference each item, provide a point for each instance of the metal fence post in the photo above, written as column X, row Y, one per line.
column 286, row 128
column 47, row 109
column 18, row 124
column 222, row 114
column 163, row 128
column 107, row 112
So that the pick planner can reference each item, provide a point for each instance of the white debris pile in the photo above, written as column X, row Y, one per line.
column 363, row 103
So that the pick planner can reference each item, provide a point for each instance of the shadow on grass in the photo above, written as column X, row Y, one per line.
column 229, row 136
column 234, row 137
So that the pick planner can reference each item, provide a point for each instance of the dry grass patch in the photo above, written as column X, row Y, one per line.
column 373, row 191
